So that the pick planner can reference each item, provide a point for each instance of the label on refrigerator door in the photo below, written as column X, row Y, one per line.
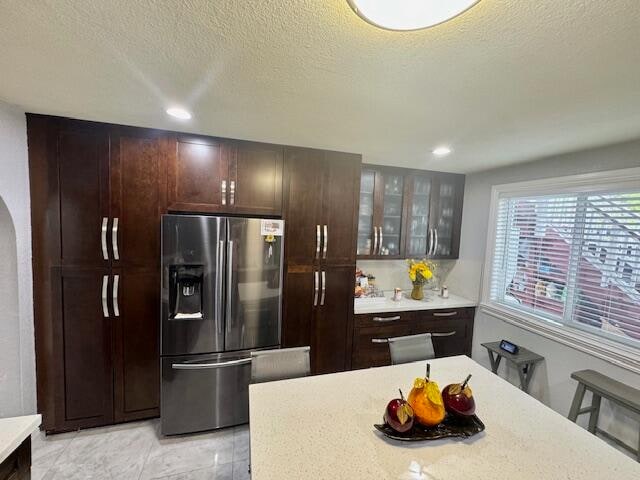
column 271, row 227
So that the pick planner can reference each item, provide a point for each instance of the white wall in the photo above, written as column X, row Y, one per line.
column 17, row 359
column 393, row 273
column 552, row 383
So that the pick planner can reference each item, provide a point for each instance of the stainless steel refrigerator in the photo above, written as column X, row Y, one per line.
column 221, row 299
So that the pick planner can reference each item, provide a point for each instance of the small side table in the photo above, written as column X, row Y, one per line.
column 525, row 361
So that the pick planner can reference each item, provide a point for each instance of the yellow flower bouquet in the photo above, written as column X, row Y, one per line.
column 419, row 273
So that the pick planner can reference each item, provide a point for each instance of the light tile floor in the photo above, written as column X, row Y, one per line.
column 136, row 451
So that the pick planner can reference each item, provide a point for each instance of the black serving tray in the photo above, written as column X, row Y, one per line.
column 450, row 427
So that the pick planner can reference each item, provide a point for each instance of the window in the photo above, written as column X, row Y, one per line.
column 565, row 253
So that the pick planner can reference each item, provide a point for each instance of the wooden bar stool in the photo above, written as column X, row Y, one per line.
column 602, row 386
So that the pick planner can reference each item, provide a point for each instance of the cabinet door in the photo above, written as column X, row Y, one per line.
column 198, row 176
column 255, row 179
column 370, row 345
column 298, row 308
column 340, row 208
column 419, row 237
column 330, row 340
column 390, row 223
column 136, row 342
column 138, row 192
column 81, row 348
column 446, row 214
column 457, row 344
column 82, row 178
column 302, row 205
column 367, row 238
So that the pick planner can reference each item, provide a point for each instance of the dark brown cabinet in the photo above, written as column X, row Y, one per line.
column 212, row 175
column 98, row 192
column 321, row 204
column 371, row 331
column 409, row 213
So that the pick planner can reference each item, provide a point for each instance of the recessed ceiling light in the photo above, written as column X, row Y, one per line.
column 178, row 112
column 441, row 151
column 409, row 14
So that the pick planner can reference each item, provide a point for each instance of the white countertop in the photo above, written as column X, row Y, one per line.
column 435, row 302
column 14, row 430
column 322, row 428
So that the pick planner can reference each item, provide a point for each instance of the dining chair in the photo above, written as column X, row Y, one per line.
column 280, row 364
column 412, row 348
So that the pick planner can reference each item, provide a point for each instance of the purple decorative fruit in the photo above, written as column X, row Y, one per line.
column 458, row 399
column 399, row 414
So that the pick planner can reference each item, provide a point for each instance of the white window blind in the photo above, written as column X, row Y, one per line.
column 571, row 259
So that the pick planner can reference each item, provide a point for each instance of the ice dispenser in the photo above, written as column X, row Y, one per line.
column 185, row 292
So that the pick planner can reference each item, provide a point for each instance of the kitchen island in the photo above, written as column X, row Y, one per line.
column 322, row 428
column 15, row 446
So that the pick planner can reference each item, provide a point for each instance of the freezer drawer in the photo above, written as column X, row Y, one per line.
column 203, row 392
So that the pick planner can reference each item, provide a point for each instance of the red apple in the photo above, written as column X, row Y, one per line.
column 458, row 399
column 399, row 414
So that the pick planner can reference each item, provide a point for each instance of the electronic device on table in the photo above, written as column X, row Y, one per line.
column 509, row 347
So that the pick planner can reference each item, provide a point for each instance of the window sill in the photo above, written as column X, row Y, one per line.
column 620, row 355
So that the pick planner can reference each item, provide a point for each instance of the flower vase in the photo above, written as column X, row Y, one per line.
column 417, row 293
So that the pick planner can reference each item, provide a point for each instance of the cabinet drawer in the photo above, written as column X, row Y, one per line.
column 376, row 320
column 370, row 347
column 457, row 344
column 466, row 312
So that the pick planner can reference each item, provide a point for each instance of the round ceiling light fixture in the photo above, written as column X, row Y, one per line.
column 409, row 14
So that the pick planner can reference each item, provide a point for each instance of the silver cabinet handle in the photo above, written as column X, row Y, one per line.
column 315, row 288
column 435, row 247
column 224, row 192
column 103, row 237
column 232, row 192
column 317, row 241
column 114, row 295
column 386, row 319
column 105, row 308
column 442, row 334
column 326, row 242
column 206, row 366
column 375, row 241
column 431, row 242
column 445, row 314
column 379, row 340
column 114, row 239
column 381, row 239
column 219, row 281
column 229, row 283
column 324, row 287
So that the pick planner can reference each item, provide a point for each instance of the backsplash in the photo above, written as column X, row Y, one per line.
column 393, row 273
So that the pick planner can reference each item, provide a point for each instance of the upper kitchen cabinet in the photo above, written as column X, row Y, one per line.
column 409, row 213
column 446, row 215
column 321, row 206
column 382, row 203
column 210, row 175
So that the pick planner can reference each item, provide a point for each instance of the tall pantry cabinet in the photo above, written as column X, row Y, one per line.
column 98, row 192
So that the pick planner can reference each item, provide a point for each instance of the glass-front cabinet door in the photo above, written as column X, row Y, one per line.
column 380, row 226
column 419, row 235
column 446, row 215
column 365, row 217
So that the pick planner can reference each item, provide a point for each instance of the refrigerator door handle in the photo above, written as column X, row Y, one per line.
column 229, row 283
column 324, row 287
column 315, row 288
column 207, row 366
column 219, row 283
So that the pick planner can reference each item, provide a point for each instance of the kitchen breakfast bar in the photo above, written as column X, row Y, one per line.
column 322, row 428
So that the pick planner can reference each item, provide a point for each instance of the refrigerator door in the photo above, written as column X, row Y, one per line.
column 203, row 392
column 254, row 285
column 192, row 284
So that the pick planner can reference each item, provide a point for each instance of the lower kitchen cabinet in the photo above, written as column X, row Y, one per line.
column 371, row 331
column 317, row 305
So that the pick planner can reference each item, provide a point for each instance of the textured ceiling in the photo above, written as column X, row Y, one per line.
column 505, row 82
